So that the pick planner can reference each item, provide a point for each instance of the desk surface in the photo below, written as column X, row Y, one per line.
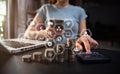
column 14, row 65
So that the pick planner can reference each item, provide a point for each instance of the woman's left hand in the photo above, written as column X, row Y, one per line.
column 88, row 43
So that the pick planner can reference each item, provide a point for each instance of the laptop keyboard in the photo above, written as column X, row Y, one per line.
column 16, row 44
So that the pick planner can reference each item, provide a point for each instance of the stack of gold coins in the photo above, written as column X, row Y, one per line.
column 27, row 58
column 71, row 58
column 37, row 56
column 70, row 43
column 60, row 48
column 71, row 46
column 49, row 55
column 60, row 58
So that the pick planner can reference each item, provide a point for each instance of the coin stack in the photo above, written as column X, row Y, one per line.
column 70, row 47
column 27, row 58
column 71, row 56
column 37, row 56
column 60, row 58
column 49, row 55
column 60, row 52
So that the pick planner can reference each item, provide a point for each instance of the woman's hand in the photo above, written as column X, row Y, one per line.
column 50, row 32
column 88, row 43
column 53, row 32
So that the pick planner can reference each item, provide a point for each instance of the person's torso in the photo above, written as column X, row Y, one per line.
column 70, row 15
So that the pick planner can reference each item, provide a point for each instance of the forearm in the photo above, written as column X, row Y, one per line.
column 34, row 35
column 32, row 31
column 82, row 27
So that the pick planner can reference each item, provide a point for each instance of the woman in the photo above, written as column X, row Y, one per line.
column 62, row 9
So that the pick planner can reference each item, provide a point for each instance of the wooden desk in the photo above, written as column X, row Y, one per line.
column 14, row 65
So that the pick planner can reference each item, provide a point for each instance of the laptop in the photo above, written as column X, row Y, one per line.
column 13, row 46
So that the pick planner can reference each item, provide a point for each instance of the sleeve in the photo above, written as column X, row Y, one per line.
column 83, row 15
column 42, row 12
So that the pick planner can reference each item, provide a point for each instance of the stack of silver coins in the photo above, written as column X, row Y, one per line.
column 37, row 56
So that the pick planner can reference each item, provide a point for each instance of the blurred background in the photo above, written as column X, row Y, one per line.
column 103, row 19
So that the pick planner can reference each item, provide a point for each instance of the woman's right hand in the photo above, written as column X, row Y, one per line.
column 46, row 33
column 50, row 32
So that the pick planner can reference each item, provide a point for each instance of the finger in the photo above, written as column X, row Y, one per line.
column 79, row 46
column 48, row 28
column 94, row 43
column 86, row 43
column 88, row 52
column 51, row 33
column 32, row 34
column 79, row 41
